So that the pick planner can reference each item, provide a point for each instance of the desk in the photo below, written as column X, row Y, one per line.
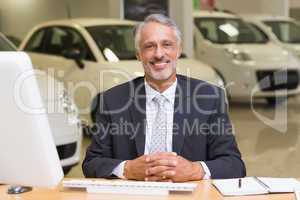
column 204, row 191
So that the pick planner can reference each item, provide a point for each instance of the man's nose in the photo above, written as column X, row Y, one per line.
column 159, row 52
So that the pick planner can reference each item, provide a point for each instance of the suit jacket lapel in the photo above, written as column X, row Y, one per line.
column 181, row 107
column 138, row 114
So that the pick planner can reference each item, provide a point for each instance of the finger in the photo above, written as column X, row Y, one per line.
column 156, row 170
column 164, row 176
column 167, row 174
column 164, row 154
column 158, row 178
column 147, row 158
column 161, row 155
column 166, row 180
column 153, row 178
column 172, row 162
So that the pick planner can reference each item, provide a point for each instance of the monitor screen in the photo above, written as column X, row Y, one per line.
column 28, row 155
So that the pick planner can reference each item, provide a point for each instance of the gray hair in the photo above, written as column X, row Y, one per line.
column 159, row 18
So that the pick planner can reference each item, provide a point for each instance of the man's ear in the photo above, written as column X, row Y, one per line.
column 137, row 55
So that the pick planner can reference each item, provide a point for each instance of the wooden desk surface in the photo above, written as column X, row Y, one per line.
column 204, row 191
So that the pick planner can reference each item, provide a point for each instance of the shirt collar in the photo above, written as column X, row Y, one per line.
column 169, row 93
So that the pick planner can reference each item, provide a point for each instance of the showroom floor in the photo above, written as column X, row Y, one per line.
column 268, row 150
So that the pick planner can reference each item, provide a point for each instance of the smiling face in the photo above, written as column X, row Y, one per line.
column 159, row 51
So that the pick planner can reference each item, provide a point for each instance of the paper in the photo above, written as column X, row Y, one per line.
column 253, row 186
column 230, row 187
column 280, row 185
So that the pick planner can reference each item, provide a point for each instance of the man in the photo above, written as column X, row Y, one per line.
column 148, row 128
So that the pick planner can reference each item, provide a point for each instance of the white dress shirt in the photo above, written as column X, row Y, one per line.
column 151, row 110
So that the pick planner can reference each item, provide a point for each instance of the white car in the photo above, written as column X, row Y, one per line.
column 64, row 120
column 62, row 114
column 92, row 55
column 283, row 30
column 251, row 64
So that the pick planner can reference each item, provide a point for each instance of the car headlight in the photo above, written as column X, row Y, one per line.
column 69, row 107
column 294, row 56
column 239, row 55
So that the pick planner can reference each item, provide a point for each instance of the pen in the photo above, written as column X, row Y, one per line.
column 240, row 182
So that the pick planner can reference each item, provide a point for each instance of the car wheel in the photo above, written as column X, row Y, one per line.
column 67, row 169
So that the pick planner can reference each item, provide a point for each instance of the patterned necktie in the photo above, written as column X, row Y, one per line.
column 159, row 127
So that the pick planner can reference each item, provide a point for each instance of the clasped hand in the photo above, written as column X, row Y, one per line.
column 165, row 166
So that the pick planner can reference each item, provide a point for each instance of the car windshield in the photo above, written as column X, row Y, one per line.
column 114, row 41
column 4, row 45
column 229, row 30
column 285, row 31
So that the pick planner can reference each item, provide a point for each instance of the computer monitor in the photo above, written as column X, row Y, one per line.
column 28, row 155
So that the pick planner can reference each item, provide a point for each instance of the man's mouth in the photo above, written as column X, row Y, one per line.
column 159, row 65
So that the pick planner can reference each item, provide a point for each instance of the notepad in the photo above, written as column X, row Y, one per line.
column 129, row 187
column 256, row 185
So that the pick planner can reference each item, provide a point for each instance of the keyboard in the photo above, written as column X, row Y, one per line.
column 129, row 187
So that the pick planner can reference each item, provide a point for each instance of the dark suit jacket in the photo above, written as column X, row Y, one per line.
column 202, row 130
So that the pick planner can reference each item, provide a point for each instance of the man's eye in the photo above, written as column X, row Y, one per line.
column 168, row 44
column 148, row 46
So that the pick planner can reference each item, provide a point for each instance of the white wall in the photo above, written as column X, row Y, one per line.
column 116, row 9
column 17, row 17
column 294, row 3
column 89, row 8
column 295, row 9
column 273, row 7
column 181, row 11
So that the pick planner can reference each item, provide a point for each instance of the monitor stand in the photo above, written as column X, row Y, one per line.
column 17, row 189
